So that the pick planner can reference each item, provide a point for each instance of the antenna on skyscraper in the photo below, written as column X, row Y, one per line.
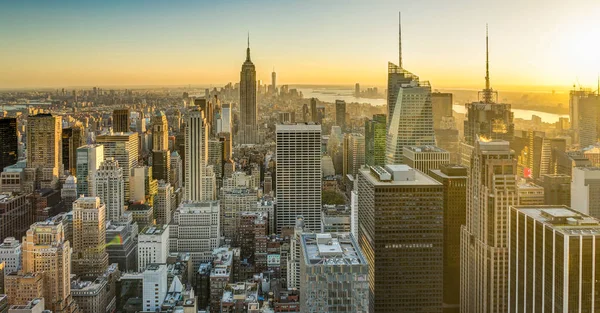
column 487, row 59
column 400, row 39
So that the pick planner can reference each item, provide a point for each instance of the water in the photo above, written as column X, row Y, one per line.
column 330, row 95
column 522, row 114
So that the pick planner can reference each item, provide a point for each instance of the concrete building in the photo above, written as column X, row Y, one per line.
column 109, row 186
column 120, row 120
column 68, row 193
column 161, row 157
column 424, row 158
column 400, row 229
column 298, row 183
column 10, row 254
column 334, row 274
column 34, row 306
column 162, row 203
column 155, row 286
column 530, row 193
column 248, row 127
column 557, row 189
column 454, row 179
column 16, row 214
column 491, row 190
column 23, row 287
column 552, row 257
column 335, row 219
column 488, row 120
column 585, row 190
column 98, row 295
column 89, row 237
column 153, row 245
column 44, row 152
column 375, row 140
column 143, row 185
column 89, row 158
column 196, row 154
column 234, row 200
column 123, row 147
column 200, row 219
column 46, row 252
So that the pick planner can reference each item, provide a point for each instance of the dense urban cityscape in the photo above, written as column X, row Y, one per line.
column 263, row 197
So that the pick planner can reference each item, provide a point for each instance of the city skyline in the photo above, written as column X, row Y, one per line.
column 200, row 43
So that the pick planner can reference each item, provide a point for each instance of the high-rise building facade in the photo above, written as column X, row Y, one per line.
column 248, row 128
column 154, row 287
column 584, row 115
column 153, row 245
column 121, row 121
column 162, row 203
column 491, row 190
column 89, row 158
column 585, row 190
column 553, row 254
column 109, row 186
column 161, row 157
column 454, row 179
column 9, row 142
column 425, row 158
column 334, row 274
column 557, row 189
column 196, row 154
column 44, row 151
column 47, row 252
column 72, row 138
column 400, row 231
column 16, row 214
column 340, row 114
column 530, row 193
column 298, row 183
column 375, row 140
column 195, row 228
column 89, row 237
column 124, row 148
column 353, row 153
column 10, row 254
column 441, row 103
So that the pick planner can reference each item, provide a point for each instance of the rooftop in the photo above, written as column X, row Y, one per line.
column 331, row 249
column 425, row 149
column 563, row 219
column 397, row 175
column 298, row 127
column 154, row 229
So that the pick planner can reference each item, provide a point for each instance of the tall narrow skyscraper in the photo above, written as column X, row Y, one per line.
column 9, row 142
column 274, row 81
column 124, row 148
column 410, row 115
column 491, row 191
column 72, row 138
column 196, row 154
column 161, row 158
column 89, row 158
column 248, row 128
column 375, row 137
column 298, row 175
column 120, row 120
column 44, row 152
column 340, row 114
column 109, row 186
column 89, row 237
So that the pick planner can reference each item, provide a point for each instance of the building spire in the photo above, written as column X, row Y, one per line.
column 248, row 49
column 487, row 92
column 400, row 39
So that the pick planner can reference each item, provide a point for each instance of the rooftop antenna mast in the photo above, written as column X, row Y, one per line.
column 488, row 92
column 400, row 39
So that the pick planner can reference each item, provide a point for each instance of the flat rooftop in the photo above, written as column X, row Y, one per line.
column 327, row 249
column 420, row 179
column 563, row 219
column 418, row 149
column 299, row 127
column 154, row 230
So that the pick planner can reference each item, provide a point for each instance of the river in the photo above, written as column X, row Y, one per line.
column 330, row 95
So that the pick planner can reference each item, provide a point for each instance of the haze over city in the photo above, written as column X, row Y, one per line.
column 535, row 45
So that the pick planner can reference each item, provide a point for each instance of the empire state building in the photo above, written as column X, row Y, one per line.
column 248, row 130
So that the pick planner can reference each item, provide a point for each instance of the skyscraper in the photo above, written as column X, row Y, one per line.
column 124, row 148
column 44, row 152
column 587, row 131
column 585, row 190
column 298, row 183
column 248, row 130
column 89, row 234
column 196, row 154
column 553, row 257
column 454, row 180
column 441, row 103
column 425, row 158
column 354, row 153
column 557, row 189
column 154, row 287
column 410, row 116
column 153, row 245
column 162, row 203
column 340, row 114
column 491, row 190
column 47, row 252
column 314, row 115
column 121, row 121
column 400, row 231
column 161, row 158
column 274, row 81
column 375, row 139
column 109, row 186
column 89, row 158
column 9, row 142
column 72, row 138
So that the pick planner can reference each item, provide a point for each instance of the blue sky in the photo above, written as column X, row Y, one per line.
column 84, row 43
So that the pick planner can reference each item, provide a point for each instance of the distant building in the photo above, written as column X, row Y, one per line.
column 44, row 153
column 162, row 203
column 9, row 142
column 16, row 214
column 424, row 158
column 585, row 190
column 552, row 257
column 334, row 274
column 122, row 147
column 248, row 128
column 89, row 158
column 109, row 186
column 36, row 305
column 153, row 245
column 557, row 189
column 121, row 120
column 353, row 153
column 375, row 140
column 530, row 194
column 340, row 114
column 298, row 184
column 441, row 104
column 72, row 138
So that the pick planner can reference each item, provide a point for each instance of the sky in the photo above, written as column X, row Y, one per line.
column 534, row 44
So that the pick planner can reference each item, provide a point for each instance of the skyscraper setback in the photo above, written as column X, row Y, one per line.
column 410, row 116
column 248, row 130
